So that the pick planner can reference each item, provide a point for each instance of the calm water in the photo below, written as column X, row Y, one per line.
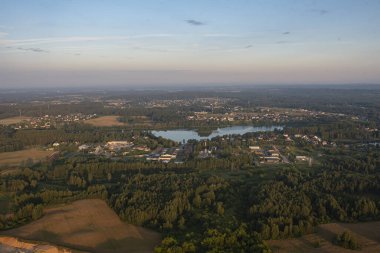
column 180, row 134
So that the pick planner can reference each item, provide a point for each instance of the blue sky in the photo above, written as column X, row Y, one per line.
column 98, row 42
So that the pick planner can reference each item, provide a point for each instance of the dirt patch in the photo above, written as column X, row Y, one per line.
column 367, row 234
column 88, row 225
column 16, row 157
column 13, row 120
column 105, row 121
column 11, row 244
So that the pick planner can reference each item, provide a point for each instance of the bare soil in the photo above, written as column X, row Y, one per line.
column 88, row 225
column 11, row 244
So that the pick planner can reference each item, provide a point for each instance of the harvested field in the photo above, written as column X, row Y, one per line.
column 10, row 245
column 16, row 157
column 88, row 225
column 105, row 121
column 367, row 234
column 13, row 120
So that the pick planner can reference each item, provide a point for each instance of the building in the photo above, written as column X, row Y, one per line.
column 302, row 158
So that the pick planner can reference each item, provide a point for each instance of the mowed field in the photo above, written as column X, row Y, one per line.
column 88, row 225
column 105, row 121
column 13, row 120
column 16, row 157
column 367, row 233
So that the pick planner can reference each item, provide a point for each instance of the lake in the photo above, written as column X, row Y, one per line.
column 179, row 135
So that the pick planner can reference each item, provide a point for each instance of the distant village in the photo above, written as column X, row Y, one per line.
column 48, row 121
column 265, row 149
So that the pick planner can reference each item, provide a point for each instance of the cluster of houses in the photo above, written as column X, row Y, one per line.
column 205, row 116
column 113, row 148
column 266, row 155
column 207, row 102
column 126, row 148
column 48, row 121
column 313, row 139
column 163, row 154
column 239, row 116
column 278, row 115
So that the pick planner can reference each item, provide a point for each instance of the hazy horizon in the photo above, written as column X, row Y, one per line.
column 179, row 43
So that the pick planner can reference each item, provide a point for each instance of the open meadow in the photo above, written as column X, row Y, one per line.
column 88, row 225
column 16, row 157
column 105, row 121
column 367, row 234
column 13, row 120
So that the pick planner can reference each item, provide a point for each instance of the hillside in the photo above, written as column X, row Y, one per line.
column 88, row 225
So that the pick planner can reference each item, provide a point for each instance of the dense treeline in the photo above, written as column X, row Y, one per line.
column 343, row 190
column 7, row 141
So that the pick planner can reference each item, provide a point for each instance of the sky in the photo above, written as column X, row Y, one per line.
column 48, row 43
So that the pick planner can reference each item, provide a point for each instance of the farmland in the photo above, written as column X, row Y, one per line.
column 366, row 233
column 13, row 120
column 16, row 157
column 88, row 225
column 105, row 121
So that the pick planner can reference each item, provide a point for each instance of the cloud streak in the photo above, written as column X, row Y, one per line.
column 223, row 35
column 194, row 22
column 320, row 11
column 57, row 40
column 33, row 49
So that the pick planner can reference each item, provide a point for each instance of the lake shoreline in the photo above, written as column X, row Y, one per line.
column 180, row 135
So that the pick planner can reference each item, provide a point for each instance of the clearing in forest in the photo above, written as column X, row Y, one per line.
column 105, row 121
column 16, row 157
column 367, row 234
column 88, row 225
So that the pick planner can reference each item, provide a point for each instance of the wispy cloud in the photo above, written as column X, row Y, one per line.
column 223, row 35
column 194, row 22
column 320, row 11
column 30, row 49
column 288, row 42
column 286, row 33
column 56, row 40
column 33, row 49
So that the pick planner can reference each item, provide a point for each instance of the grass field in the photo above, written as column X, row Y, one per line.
column 88, row 225
column 13, row 120
column 367, row 234
column 16, row 157
column 105, row 121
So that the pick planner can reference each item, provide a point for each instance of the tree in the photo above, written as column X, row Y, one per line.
column 347, row 240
